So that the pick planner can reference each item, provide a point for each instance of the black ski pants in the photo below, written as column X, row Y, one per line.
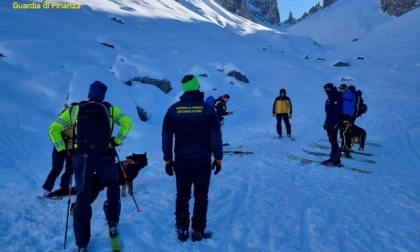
column 332, row 132
column 58, row 160
column 188, row 173
column 84, row 169
column 285, row 118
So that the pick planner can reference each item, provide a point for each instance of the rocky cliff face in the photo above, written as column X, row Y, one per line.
column 266, row 11
column 399, row 7
column 259, row 11
column 326, row 3
column 392, row 7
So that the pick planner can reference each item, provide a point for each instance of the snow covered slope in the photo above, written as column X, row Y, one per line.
column 259, row 202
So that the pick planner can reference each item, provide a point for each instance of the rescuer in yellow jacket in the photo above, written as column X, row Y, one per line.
column 93, row 153
column 67, row 119
column 282, row 110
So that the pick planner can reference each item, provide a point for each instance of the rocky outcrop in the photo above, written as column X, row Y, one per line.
column 399, row 7
column 264, row 10
column 391, row 7
column 260, row 11
column 236, row 6
column 326, row 3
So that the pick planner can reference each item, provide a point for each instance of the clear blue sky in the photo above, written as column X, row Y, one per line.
column 298, row 7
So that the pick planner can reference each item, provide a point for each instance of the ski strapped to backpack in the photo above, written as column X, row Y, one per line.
column 93, row 127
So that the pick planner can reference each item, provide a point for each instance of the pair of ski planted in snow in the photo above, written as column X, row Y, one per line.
column 310, row 161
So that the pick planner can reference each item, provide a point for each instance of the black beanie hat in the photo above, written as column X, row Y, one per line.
column 328, row 86
column 97, row 91
column 343, row 86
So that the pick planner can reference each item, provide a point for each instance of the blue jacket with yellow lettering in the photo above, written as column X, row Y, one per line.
column 195, row 126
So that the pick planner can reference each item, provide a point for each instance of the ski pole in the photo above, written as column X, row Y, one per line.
column 125, row 179
column 68, row 212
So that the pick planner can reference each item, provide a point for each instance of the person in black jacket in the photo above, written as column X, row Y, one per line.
column 221, row 108
column 194, row 125
column 59, row 159
column 333, row 108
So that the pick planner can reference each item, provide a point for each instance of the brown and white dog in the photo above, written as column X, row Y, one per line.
column 358, row 136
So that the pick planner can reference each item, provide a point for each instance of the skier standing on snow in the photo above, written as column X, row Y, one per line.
column 221, row 109
column 93, row 153
column 59, row 158
column 194, row 125
column 282, row 110
column 333, row 108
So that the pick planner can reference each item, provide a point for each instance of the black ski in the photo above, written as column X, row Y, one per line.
column 315, row 153
column 310, row 161
column 63, row 192
column 236, row 152
column 329, row 147
column 370, row 144
column 50, row 197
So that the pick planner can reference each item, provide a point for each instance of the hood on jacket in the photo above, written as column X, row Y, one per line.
column 282, row 91
column 330, row 89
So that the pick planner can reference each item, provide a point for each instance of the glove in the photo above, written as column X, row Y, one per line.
column 69, row 148
column 113, row 142
column 169, row 167
column 216, row 166
column 290, row 115
column 230, row 113
column 70, row 152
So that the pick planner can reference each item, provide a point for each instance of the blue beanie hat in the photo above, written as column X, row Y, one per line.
column 97, row 91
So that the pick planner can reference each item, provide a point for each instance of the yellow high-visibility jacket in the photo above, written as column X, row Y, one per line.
column 66, row 120
column 282, row 105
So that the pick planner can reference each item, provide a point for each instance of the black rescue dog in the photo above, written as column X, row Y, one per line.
column 132, row 166
column 358, row 136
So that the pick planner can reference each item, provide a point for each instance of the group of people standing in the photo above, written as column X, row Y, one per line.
column 342, row 107
column 191, row 135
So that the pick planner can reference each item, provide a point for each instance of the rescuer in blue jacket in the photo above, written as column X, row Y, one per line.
column 191, row 131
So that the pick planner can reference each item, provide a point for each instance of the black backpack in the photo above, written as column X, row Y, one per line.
column 93, row 128
column 361, row 105
column 363, row 109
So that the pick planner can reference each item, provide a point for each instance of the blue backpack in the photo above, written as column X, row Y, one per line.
column 210, row 100
column 348, row 102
